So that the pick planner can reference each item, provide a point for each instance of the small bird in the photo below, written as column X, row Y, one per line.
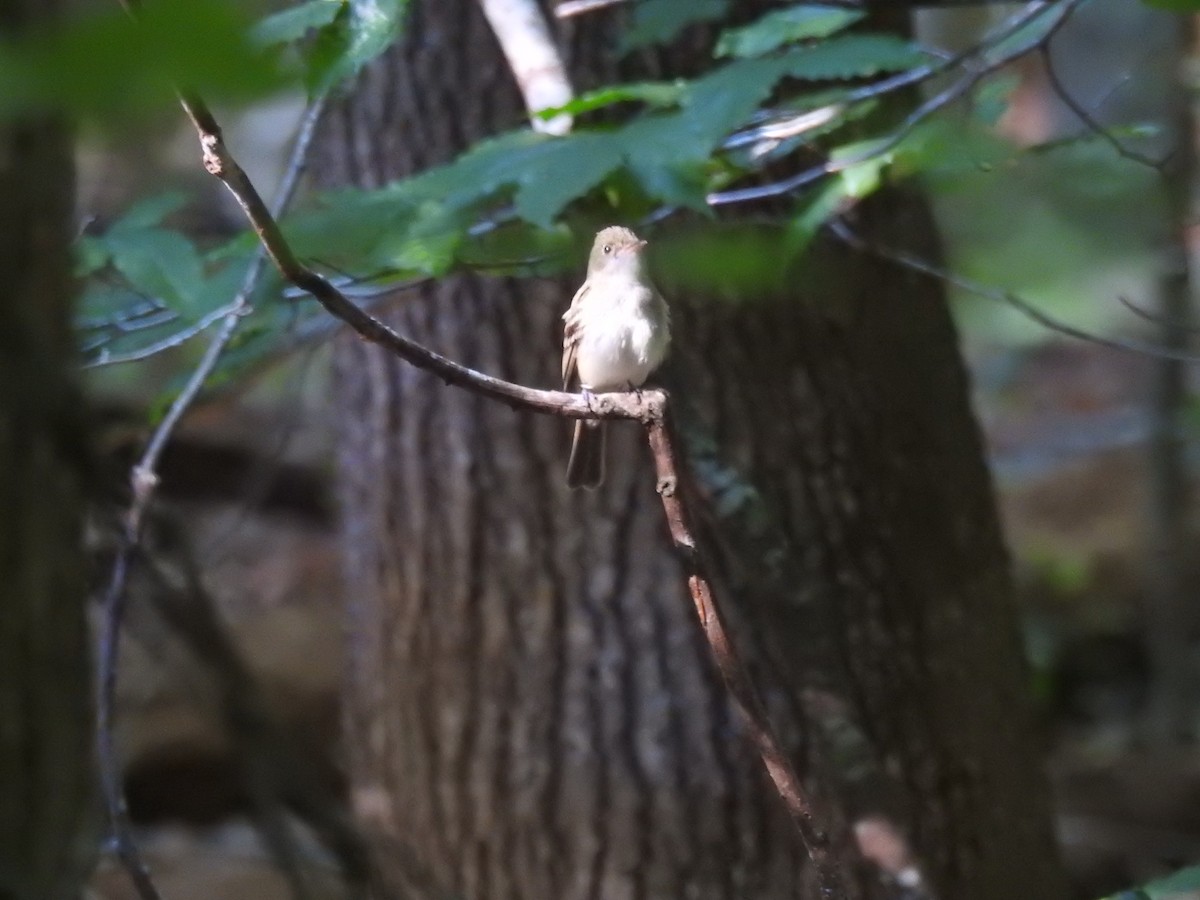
column 616, row 334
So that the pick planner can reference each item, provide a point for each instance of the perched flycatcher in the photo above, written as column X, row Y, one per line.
column 617, row 331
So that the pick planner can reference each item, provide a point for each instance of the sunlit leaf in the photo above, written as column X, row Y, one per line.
column 652, row 93
column 359, row 32
column 815, row 210
column 784, row 26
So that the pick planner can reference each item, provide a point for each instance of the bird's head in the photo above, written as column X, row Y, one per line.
column 616, row 248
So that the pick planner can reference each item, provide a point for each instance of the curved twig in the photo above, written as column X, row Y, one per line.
column 144, row 479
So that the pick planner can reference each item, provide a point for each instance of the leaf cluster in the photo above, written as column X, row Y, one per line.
column 514, row 203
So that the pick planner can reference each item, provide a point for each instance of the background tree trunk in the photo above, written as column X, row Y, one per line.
column 531, row 711
column 45, row 722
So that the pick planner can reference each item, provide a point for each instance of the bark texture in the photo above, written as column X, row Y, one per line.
column 531, row 711
column 45, row 723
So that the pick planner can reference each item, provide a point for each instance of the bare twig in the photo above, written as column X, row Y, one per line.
column 917, row 264
column 1089, row 120
column 105, row 358
column 143, row 479
column 668, row 465
column 1155, row 319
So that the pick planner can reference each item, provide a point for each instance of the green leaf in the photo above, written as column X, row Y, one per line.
column 149, row 212
column 818, row 207
column 653, row 93
column 784, row 26
column 158, row 263
column 361, row 30
column 91, row 255
column 295, row 22
column 109, row 65
column 853, row 56
column 1183, row 6
column 1182, row 885
column 658, row 21
column 567, row 168
column 721, row 100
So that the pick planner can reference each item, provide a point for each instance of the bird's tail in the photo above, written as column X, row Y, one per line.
column 585, row 468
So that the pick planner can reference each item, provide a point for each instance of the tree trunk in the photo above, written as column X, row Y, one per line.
column 45, row 722
column 531, row 710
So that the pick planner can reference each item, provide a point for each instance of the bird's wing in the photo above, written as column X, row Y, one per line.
column 572, row 333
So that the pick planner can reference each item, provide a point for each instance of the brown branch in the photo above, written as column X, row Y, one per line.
column 800, row 807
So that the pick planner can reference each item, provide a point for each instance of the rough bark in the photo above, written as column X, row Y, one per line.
column 45, row 725
column 531, row 712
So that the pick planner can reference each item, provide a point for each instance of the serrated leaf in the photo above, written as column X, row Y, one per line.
column 361, row 30
column 295, row 22
column 853, row 56
column 658, row 21
column 784, row 26
column 721, row 100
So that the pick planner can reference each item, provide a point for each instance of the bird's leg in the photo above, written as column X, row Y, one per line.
column 634, row 389
column 587, row 396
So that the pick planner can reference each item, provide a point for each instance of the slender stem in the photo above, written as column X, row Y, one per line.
column 144, row 480
column 800, row 807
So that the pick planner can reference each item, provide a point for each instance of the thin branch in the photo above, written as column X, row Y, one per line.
column 1090, row 121
column 749, row 706
column 104, row 358
column 143, row 479
column 923, row 266
column 1155, row 319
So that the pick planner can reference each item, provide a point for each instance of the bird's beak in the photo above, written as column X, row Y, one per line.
column 634, row 248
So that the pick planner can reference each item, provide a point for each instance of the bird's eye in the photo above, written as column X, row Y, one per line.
column 608, row 248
